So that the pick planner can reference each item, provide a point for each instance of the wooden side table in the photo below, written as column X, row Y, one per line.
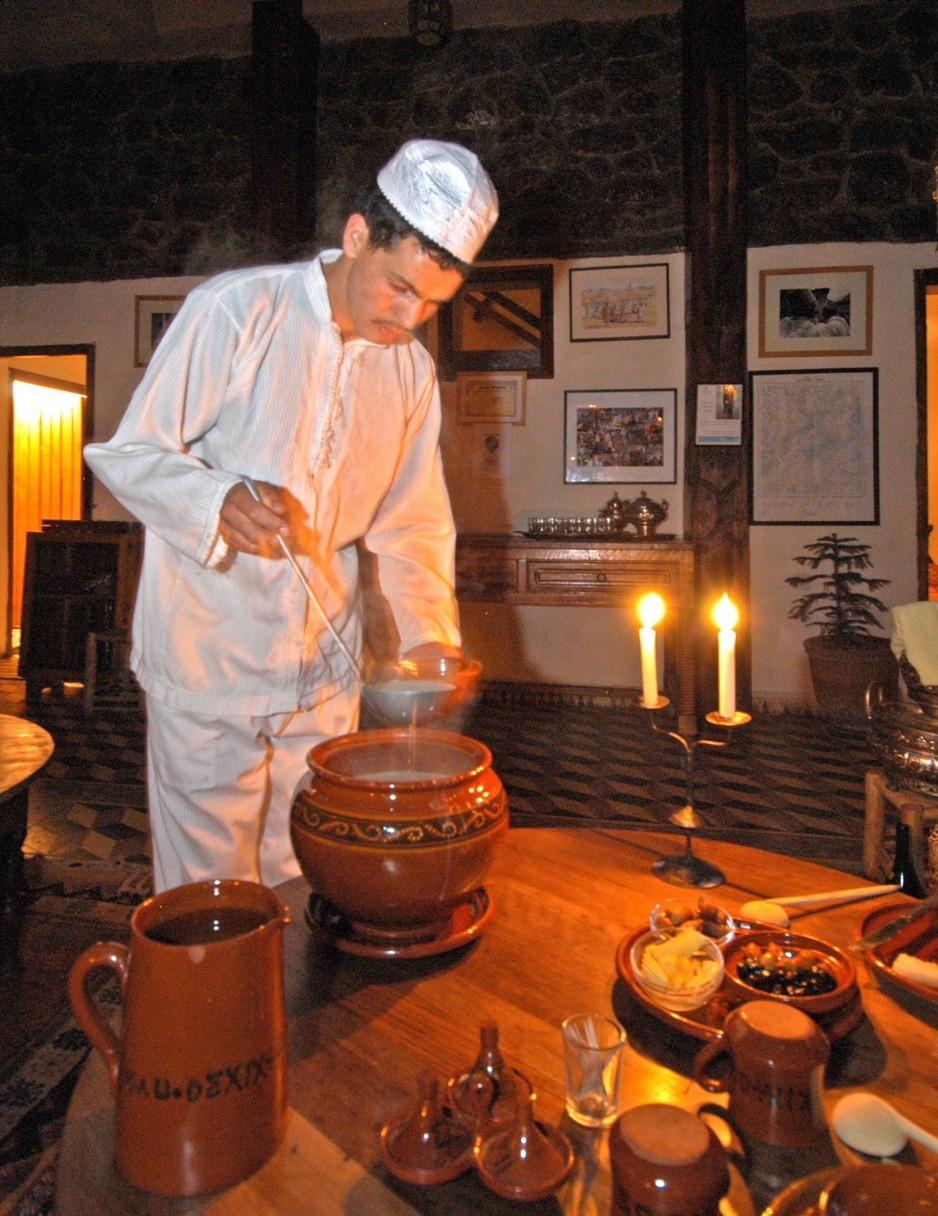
column 25, row 749
column 911, row 808
column 590, row 572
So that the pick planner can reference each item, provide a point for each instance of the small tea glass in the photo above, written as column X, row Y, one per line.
column 592, row 1057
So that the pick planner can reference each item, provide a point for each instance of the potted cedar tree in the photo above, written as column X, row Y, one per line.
column 844, row 658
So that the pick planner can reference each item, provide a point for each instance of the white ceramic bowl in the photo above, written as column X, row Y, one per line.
column 416, row 692
column 678, row 1000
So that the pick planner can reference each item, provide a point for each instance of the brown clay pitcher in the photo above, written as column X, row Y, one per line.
column 199, row 1066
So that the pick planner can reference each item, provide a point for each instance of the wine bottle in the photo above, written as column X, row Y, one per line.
column 903, row 870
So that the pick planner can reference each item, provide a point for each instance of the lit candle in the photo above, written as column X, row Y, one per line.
column 650, row 612
column 726, row 617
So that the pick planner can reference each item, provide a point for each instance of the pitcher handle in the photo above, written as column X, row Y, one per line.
column 87, row 1012
column 707, row 1054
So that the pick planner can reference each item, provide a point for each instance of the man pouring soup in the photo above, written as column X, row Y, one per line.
column 306, row 379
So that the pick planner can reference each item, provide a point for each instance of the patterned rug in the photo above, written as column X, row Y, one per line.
column 790, row 783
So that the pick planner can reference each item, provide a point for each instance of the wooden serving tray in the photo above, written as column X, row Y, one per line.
column 707, row 1021
column 920, row 938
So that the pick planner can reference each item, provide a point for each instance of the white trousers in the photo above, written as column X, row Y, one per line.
column 220, row 789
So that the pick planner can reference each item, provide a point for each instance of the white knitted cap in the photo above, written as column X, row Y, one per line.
column 442, row 190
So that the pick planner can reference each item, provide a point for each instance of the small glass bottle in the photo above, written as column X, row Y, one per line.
column 903, row 870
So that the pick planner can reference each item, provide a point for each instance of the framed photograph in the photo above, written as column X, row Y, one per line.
column 153, row 315
column 815, row 449
column 827, row 310
column 492, row 397
column 620, row 435
column 500, row 320
column 720, row 414
column 609, row 303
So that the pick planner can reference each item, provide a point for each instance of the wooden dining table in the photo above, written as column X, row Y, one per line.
column 25, row 749
column 363, row 1030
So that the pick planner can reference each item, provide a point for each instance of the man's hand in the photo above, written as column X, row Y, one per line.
column 253, row 527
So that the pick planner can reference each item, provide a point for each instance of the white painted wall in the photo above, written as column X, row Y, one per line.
column 591, row 646
column 584, row 646
column 97, row 314
column 780, row 670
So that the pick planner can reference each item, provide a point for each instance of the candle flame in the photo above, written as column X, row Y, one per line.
column 650, row 610
column 725, row 613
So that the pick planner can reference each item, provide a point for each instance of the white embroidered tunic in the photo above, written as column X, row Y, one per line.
column 253, row 378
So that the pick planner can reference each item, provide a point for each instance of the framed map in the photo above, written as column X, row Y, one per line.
column 815, row 447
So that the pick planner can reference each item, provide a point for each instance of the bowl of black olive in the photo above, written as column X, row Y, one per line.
column 806, row 972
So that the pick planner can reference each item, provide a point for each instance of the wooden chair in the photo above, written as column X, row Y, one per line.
column 914, row 809
column 108, row 680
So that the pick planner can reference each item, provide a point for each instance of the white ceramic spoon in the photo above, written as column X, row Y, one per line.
column 870, row 1125
column 772, row 911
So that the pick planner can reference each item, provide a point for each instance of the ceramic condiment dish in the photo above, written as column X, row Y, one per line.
column 788, row 945
column 678, row 994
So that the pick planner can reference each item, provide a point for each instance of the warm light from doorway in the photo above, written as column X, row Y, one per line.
column 46, row 463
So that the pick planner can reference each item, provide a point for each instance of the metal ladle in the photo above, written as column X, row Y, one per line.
column 403, row 698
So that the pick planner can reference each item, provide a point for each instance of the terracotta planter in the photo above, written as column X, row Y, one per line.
column 396, row 832
column 840, row 675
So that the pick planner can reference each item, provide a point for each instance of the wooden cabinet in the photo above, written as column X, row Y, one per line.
column 509, row 569
column 80, row 578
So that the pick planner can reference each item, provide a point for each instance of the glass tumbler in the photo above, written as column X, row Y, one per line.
column 592, row 1056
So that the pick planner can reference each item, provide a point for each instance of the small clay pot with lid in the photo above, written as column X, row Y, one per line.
column 665, row 1161
column 424, row 1143
column 490, row 1092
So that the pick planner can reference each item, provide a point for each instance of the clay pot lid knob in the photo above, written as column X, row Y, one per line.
column 490, row 1059
column 426, row 1144
column 526, row 1161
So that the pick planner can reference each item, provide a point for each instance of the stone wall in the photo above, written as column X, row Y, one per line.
column 111, row 171
column 579, row 126
column 120, row 171
column 843, row 124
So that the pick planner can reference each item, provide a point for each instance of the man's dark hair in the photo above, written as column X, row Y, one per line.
column 386, row 226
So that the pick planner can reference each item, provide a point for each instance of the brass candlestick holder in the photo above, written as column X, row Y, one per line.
column 685, row 869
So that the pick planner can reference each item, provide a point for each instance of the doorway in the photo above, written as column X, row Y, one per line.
column 45, row 395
